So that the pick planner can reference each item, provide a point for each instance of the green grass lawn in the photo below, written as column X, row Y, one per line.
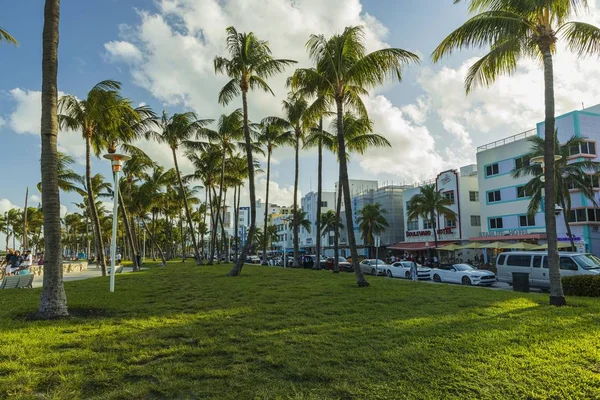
column 191, row 332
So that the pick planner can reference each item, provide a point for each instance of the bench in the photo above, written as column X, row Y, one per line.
column 17, row 282
column 118, row 270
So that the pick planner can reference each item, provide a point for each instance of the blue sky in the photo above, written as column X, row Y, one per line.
column 144, row 44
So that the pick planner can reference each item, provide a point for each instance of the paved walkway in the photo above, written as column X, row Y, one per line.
column 91, row 272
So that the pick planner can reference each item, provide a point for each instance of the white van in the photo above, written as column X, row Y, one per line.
column 536, row 264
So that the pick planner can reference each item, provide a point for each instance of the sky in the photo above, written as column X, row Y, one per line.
column 162, row 52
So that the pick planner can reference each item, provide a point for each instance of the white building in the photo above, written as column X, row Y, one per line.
column 308, row 240
column 504, row 202
column 284, row 232
column 244, row 217
column 461, row 188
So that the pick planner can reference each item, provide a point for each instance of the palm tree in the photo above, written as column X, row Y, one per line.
column 177, row 131
column 569, row 175
column 251, row 63
column 5, row 36
column 97, row 115
column 343, row 73
column 371, row 221
column 330, row 221
column 66, row 176
column 272, row 135
column 429, row 204
column 515, row 29
column 53, row 303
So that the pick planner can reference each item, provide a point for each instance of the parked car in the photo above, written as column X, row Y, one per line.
column 463, row 273
column 322, row 262
column 401, row 269
column 344, row 265
column 253, row 260
column 373, row 266
column 536, row 264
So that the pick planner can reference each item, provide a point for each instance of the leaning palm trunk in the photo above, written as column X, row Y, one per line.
column 336, row 233
column 182, row 237
column 264, row 260
column 92, row 205
column 557, row 296
column 128, row 234
column 236, row 212
column 319, row 190
column 153, row 239
column 296, row 215
column 360, row 279
column 187, row 209
column 53, row 303
column 237, row 268
column 211, row 244
column 566, row 212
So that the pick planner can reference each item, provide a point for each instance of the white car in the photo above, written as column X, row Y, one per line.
column 463, row 273
column 401, row 269
column 373, row 267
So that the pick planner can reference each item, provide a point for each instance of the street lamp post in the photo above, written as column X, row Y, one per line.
column 117, row 163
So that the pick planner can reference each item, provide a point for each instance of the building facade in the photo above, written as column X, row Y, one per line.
column 308, row 240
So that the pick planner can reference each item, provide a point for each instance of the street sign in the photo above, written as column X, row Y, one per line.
column 377, row 240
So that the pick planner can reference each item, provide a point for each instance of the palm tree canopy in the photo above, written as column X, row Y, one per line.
column 513, row 29
column 5, row 36
column 569, row 174
column 67, row 178
column 251, row 63
column 330, row 222
column 345, row 71
column 179, row 129
column 371, row 221
column 429, row 203
column 272, row 133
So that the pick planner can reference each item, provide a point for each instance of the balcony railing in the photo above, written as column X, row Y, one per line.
column 507, row 140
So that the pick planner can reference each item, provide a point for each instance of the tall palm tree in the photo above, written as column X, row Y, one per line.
column 177, row 131
column 272, row 135
column 516, row 29
column 344, row 72
column 371, row 221
column 251, row 63
column 53, row 303
column 569, row 175
column 429, row 204
column 330, row 222
column 96, row 115
column 67, row 178
column 5, row 36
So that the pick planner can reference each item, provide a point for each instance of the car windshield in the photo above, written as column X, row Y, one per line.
column 463, row 267
column 588, row 261
column 377, row 261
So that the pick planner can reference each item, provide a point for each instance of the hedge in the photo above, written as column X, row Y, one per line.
column 582, row 285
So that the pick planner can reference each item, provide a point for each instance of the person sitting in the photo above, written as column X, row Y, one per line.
column 6, row 261
column 26, row 263
column 15, row 263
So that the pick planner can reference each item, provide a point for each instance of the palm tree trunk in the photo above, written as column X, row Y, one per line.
column 237, row 268
column 360, row 279
column 213, row 236
column 557, row 297
column 53, row 303
column 187, row 209
column 237, row 226
column 566, row 212
column 128, row 233
column 223, row 234
column 296, row 215
column 153, row 239
column 154, row 233
column 264, row 261
column 319, row 198
column 182, row 236
column 336, row 233
column 92, row 204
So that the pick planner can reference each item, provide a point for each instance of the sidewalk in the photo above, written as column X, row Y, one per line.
column 91, row 272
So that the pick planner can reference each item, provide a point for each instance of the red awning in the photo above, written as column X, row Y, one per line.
column 531, row 236
column 415, row 246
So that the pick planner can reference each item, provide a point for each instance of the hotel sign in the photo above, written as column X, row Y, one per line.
column 506, row 232
column 444, row 231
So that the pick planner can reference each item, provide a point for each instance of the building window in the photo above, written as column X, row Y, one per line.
column 521, row 162
column 449, row 196
column 492, row 170
column 412, row 225
column 427, row 224
column 583, row 148
column 494, row 196
column 323, row 204
column 526, row 220
column 496, row 223
column 474, row 196
column 475, row 220
column 522, row 192
column 450, row 223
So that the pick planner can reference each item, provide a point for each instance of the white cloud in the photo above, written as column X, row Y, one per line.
column 124, row 51
column 34, row 198
column 2, row 122
column 6, row 205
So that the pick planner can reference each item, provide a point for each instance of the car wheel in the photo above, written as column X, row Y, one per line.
column 373, row 271
column 466, row 280
column 436, row 278
column 389, row 274
column 407, row 275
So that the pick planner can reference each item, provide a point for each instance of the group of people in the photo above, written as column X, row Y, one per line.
column 16, row 262
column 417, row 259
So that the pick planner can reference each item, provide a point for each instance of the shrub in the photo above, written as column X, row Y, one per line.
column 582, row 285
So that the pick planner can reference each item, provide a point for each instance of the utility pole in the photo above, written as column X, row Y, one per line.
column 24, row 244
